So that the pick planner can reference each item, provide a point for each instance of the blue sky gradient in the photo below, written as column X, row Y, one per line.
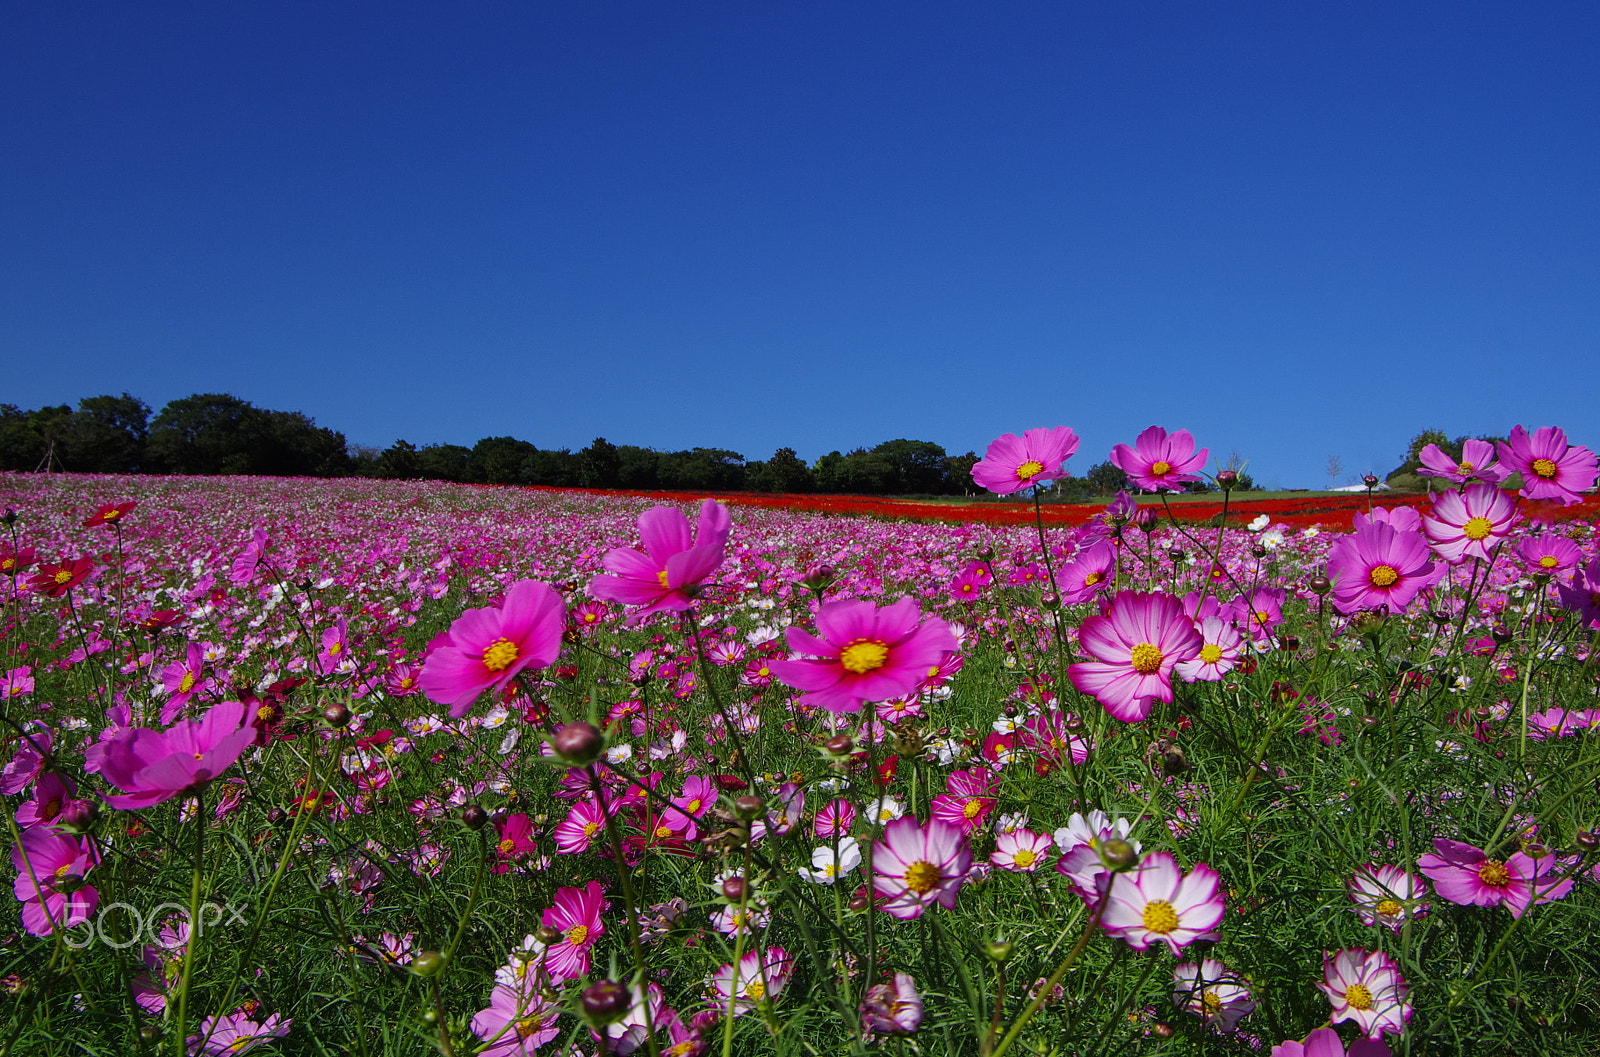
column 1296, row 230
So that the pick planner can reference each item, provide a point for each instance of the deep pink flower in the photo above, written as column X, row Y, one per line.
column 1582, row 596
column 35, row 743
column 835, row 819
column 109, row 514
column 1376, row 567
column 1325, row 1042
column 577, row 916
column 335, row 648
column 862, row 653
column 1155, row 903
column 673, row 563
column 515, row 842
column 53, row 581
column 1258, row 612
column 581, row 827
column 1160, row 462
column 182, row 680
column 967, row 801
column 1470, row 523
column 156, row 765
column 1013, row 463
column 1476, row 463
column 1366, row 987
column 486, row 648
column 1400, row 518
column 15, row 562
column 518, row 1021
column 1091, row 571
column 1550, row 468
column 893, row 1008
column 915, row 867
column 1135, row 646
column 50, row 869
column 1047, row 736
column 1465, row 874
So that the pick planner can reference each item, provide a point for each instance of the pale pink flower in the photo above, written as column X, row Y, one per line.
column 1366, row 987
column 1134, row 648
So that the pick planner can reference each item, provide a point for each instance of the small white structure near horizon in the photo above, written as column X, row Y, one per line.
column 1382, row 486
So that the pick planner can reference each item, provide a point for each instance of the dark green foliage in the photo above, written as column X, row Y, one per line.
column 1105, row 479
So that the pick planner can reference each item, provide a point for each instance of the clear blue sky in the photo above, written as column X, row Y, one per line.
column 1296, row 229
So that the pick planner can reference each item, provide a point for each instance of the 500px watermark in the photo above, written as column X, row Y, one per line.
column 134, row 927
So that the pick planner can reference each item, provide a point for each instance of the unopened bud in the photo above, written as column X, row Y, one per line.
column 1501, row 634
column 426, row 964
column 473, row 817
column 548, row 935
column 986, row 554
column 1119, row 855
column 78, row 816
column 840, row 745
column 1588, row 840
column 1050, row 600
column 1320, row 585
column 1227, row 479
column 605, row 1002
column 578, row 743
column 1258, row 551
column 749, row 807
column 1370, row 481
column 1162, row 1030
column 1176, row 554
column 859, row 902
column 336, row 715
column 733, row 889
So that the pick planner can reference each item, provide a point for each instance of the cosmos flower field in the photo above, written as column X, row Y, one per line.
column 375, row 767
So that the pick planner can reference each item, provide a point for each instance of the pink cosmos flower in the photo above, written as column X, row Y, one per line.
column 1046, row 735
column 1159, row 462
column 1135, row 645
column 1387, row 895
column 52, row 802
column 1548, row 554
column 1582, row 596
column 834, row 820
column 1325, row 1042
column 1013, row 463
column 53, row 581
column 1207, row 989
column 1401, row 518
column 1219, row 652
column 517, row 1022
column 1366, row 987
column 760, row 977
column 182, row 680
column 892, row 1008
column 1376, row 567
column 577, row 916
column 1464, row 874
column 233, row 1034
column 1470, row 523
column 486, row 648
column 516, row 841
column 335, row 651
column 968, row 800
column 915, row 867
column 157, row 765
column 50, row 870
column 16, row 682
column 1021, row 850
column 863, row 653
column 671, row 566
column 1258, row 612
column 1155, row 902
column 1091, row 571
column 1550, row 468
column 582, row 825
column 33, row 746
column 1476, row 464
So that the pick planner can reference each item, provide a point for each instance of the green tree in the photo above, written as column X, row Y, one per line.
column 399, row 461
column 917, row 467
column 787, row 472
column 107, row 434
column 205, row 433
column 443, row 462
column 1413, row 457
column 638, row 467
column 1105, row 479
column 600, row 465
column 498, row 460
column 958, row 472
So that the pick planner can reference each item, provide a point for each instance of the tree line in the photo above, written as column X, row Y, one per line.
column 217, row 433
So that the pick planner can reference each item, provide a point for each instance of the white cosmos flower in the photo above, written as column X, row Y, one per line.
column 827, row 868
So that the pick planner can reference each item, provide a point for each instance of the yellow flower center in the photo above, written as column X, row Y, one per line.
column 1383, row 575
column 591, row 828
column 1358, row 997
column 1494, row 872
column 661, row 578
column 971, row 809
column 577, row 934
column 1093, row 578
column 187, row 684
column 862, row 657
column 62, row 576
column 1477, row 528
column 528, row 1026
column 1544, row 468
column 1213, row 1003
column 663, row 831
column 1388, row 908
column 1262, row 616
column 507, row 846
column 1548, row 562
column 1465, row 469
column 1211, row 653
column 694, row 805
column 922, row 877
column 1159, row 917
column 1146, row 658
column 1024, row 857
column 755, row 990
column 1029, row 470
column 336, row 649
column 1161, row 469
column 498, row 655
column 62, row 871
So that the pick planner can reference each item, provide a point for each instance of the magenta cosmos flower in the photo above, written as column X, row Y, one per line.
column 1376, row 567
column 486, row 648
column 235, row 1033
column 1476, row 463
column 893, row 1007
column 1156, row 903
column 577, row 916
column 1135, row 646
column 1013, row 463
column 1470, row 523
column 915, row 867
column 1366, row 987
column 862, row 653
column 50, row 868
column 1465, row 874
column 673, row 563
column 1325, row 1042
column 1159, row 462
column 156, row 765
column 1550, row 468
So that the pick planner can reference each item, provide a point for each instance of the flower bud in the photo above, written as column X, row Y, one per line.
column 1370, row 481
column 578, row 743
column 1119, row 855
column 1588, row 840
column 1050, row 600
column 605, row 1002
column 78, row 816
column 733, row 889
column 986, row 554
column 839, row 745
column 859, row 902
column 1162, row 1030
column 336, row 715
column 1258, row 551
column 473, row 817
column 426, row 964
column 548, row 935
column 1320, row 584
column 1501, row 634
column 1176, row 554
column 998, row 951
column 1073, row 723
column 1226, row 479
column 749, row 807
